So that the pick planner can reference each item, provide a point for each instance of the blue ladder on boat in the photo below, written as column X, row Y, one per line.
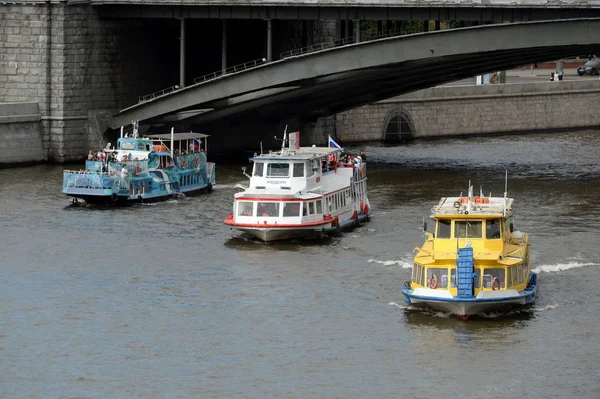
column 464, row 266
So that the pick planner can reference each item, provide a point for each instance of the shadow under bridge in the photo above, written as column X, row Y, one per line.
column 327, row 82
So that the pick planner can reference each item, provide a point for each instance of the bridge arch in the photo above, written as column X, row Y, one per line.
column 398, row 126
column 317, row 84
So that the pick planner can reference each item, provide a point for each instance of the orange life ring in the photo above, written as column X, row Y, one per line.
column 494, row 281
column 196, row 161
column 182, row 163
column 481, row 200
column 433, row 282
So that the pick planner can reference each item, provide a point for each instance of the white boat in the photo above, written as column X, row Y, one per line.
column 301, row 192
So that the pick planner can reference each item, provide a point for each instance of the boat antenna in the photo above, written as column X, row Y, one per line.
column 261, row 150
column 505, row 190
column 121, row 131
column 480, row 191
column 284, row 138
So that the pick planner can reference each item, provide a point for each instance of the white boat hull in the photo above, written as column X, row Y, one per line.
column 466, row 309
column 278, row 234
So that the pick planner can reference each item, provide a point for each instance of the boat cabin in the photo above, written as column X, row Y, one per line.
column 301, row 186
column 499, row 255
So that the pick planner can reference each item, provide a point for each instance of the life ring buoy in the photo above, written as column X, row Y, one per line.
column 433, row 282
column 494, row 285
column 196, row 161
column 114, row 197
column 457, row 204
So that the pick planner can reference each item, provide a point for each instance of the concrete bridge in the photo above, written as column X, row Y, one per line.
column 354, row 10
column 77, row 62
column 327, row 82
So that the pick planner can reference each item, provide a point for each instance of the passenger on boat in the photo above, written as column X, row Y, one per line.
column 91, row 156
column 191, row 147
column 363, row 156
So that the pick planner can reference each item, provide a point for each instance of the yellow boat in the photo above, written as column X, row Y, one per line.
column 474, row 261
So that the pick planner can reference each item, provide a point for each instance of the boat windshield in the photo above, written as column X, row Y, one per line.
column 467, row 229
column 258, row 169
column 278, row 170
column 443, row 230
column 492, row 228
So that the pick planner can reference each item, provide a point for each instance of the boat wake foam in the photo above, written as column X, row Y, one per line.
column 403, row 263
column 559, row 267
column 398, row 305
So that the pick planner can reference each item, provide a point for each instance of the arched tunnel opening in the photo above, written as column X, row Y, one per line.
column 398, row 128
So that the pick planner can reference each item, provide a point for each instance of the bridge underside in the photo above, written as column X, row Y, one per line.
column 331, row 81
column 311, row 99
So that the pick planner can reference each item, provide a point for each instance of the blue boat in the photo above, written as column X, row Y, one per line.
column 143, row 169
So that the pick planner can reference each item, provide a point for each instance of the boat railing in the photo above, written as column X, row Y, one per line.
column 211, row 172
column 94, row 180
column 195, row 161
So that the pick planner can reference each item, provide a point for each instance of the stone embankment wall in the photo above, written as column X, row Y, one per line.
column 20, row 134
column 475, row 110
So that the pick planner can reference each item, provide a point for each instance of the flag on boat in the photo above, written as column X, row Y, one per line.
column 333, row 144
column 196, row 145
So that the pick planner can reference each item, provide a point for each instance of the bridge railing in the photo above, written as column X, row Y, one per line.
column 316, row 47
column 159, row 93
column 235, row 68
column 255, row 63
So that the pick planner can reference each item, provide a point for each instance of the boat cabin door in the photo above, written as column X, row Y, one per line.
column 464, row 272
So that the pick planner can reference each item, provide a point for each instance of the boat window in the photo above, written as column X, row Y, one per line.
column 453, row 278
column 522, row 269
column 467, row 229
column 141, row 146
column 245, row 208
column 298, row 169
column 291, row 209
column 509, row 281
column 441, row 275
column 311, row 207
column 443, row 229
column 268, row 209
column 278, row 170
column 477, row 278
column 491, row 275
column 127, row 145
column 319, row 207
column 305, row 209
column 492, row 228
column 258, row 169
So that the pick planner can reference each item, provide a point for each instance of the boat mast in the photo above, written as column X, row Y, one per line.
column 172, row 139
column 505, row 190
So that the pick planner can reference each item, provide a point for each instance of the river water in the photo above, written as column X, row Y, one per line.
column 164, row 301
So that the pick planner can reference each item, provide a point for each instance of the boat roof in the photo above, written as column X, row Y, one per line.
column 477, row 207
column 177, row 136
column 302, row 154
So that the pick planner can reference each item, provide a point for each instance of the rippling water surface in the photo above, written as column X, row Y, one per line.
column 164, row 301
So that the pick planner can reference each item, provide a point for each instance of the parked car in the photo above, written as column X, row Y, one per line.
column 591, row 67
